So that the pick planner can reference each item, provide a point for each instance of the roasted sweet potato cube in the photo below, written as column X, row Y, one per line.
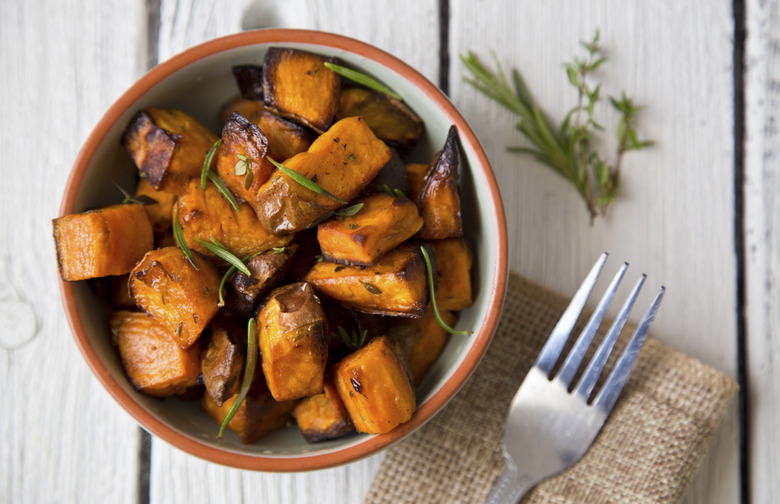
column 395, row 285
column 160, row 211
column 342, row 161
column 453, row 265
column 429, row 343
column 153, row 360
column 323, row 416
column 268, row 269
column 389, row 119
column 439, row 200
column 183, row 299
column 375, row 388
column 108, row 241
column 222, row 361
column 291, row 330
column 285, row 138
column 205, row 214
column 167, row 146
column 416, row 174
column 250, row 81
column 383, row 223
column 390, row 179
column 257, row 416
column 241, row 159
column 298, row 85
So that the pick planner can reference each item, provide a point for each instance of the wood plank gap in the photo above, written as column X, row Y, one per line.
column 444, row 46
column 740, row 32
column 144, row 466
column 152, row 33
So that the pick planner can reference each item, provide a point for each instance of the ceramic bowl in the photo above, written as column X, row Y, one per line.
column 199, row 81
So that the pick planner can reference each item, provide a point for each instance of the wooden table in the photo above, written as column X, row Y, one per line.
column 699, row 211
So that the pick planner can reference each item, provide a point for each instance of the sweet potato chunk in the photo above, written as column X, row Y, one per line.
column 268, row 269
column 389, row 119
column 429, row 342
column 416, row 173
column 285, row 138
column 395, row 285
column 257, row 416
column 453, row 265
column 222, row 361
column 159, row 213
column 298, row 85
column 243, row 175
column 440, row 197
column 375, row 388
column 154, row 362
column 383, row 223
column 323, row 416
column 108, row 241
column 291, row 330
column 342, row 161
column 167, row 146
column 205, row 214
column 167, row 287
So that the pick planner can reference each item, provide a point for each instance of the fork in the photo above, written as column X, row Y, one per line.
column 551, row 424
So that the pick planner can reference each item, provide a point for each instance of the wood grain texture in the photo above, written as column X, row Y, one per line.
column 176, row 476
column 675, row 220
column 762, row 245
column 63, row 63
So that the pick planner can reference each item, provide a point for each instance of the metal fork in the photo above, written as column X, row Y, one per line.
column 551, row 424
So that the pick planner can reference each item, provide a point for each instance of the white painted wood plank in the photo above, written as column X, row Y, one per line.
column 61, row 65
column 762, row 245
column 675, row 220
column 399, row 27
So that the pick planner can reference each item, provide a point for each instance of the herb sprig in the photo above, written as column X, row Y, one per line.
column 249, row 374
column 567, row 148
column 436, row 313
column 354, row 340
column 207, row 162
column 141, row 199
column 178, row 236
column 362, row 79
column 216, row 248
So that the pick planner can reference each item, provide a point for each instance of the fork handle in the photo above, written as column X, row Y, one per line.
column 511, row 485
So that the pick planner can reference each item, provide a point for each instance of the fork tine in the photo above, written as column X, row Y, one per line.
column 599, row 360
column 560, row 333
column 611, row 390
column 574, row 359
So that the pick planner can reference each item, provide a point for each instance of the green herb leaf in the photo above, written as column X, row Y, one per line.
column 231, row 270
column 355, row 340
column 222, row 188
column 305, row 182
column 322, row 218
column 207, row 163
column 441, row 322
column 278, row 250
column 243, row 165
column 373, row 289
column 252, row 353
column 388, row 190
column 363, row 79
column 143, row 199
column 350, row 210
column 220, row 251
column 178, row 236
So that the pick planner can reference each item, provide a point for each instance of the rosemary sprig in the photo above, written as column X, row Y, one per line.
column 350, row 210
column 178, row 236
column 362, row 79
column 567, row 148
column 222, row 252
column 355, row 340
column 142, row 199
column 433, row 295
column 207, row 161
column 305, row 182
column 222, row 188
column 396, row 193
column 249, row 374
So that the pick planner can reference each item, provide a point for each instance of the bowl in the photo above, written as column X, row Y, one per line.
column 199, row 81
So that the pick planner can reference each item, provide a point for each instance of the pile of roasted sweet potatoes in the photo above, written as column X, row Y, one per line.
column 338, row 282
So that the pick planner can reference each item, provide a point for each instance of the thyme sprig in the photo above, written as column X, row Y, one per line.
column 249, row 374
column 305, row 181
column 362, row 79
column 567, row 148
column 436, row 313
column 354, row 340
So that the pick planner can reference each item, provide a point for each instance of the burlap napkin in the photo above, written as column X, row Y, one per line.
column 647, row 452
